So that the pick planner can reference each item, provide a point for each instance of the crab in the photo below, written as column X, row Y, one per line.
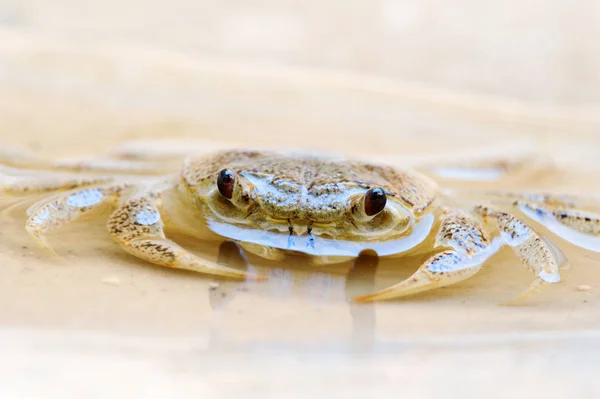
column 328, row 208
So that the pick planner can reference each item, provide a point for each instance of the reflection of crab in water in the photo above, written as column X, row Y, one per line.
column 328, row 208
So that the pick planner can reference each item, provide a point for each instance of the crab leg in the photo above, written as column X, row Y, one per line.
column 465, row 242
column 19, row 158
column 108, row 165
column 26, row 160
column 489, row 168
column 25, row 185
column 547, row 203
column 533, row 251
column 573, row 218
column 581, row 221
column 143, row 157
column 467, row 247
column 138, row 227
column 166, row 149
column 65, row 208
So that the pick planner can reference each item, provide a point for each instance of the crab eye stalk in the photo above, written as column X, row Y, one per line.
column 226, row 183
column 375, row 200
column 369, row 205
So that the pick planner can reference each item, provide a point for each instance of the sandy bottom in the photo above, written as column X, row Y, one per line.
column 104, row 324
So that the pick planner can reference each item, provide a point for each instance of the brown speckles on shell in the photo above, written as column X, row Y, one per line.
column 314, row 187
column 197, row 170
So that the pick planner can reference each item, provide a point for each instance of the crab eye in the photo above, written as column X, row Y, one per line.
column 226, row 183
column 375, row 200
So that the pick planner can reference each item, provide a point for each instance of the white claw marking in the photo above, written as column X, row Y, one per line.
column 41, row 217
column 450, row 263
column 85, row 198
column 549, row 277
column 147, row 217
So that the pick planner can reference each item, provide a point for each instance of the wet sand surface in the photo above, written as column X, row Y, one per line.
column 105, row 320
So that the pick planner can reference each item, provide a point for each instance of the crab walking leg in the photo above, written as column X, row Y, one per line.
column 166, row 149
column 526, row 243
column 107, row 165
column 20, row 158
column 489, row 168
column 574, row 218
column 511, row 198
column 467, row 247
column 65, row 208
column 581, row 221
column 138, row 227
column 25, row 185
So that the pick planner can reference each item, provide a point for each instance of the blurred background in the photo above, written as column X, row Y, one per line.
column 291, row 70
column 381, row 78
column 532, row 50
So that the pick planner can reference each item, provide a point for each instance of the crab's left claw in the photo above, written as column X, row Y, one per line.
column 138, row 227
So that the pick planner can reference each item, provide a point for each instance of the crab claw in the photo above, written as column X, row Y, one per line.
column 440, row 270
column 418, row 282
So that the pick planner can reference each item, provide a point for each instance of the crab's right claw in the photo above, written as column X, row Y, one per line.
column 470, row 247
column 440, row 270
column 467, row 245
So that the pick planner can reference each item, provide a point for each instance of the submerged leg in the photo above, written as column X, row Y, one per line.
column 60, row 210
column 166, row 149
column 533, row 251
column 115, row 163
column 579, row 220
column 574, row 218
column 579, row 227
column 137, row 226
column 26, row 185
column 19, row 158
column 490, row 169
column 122, row 166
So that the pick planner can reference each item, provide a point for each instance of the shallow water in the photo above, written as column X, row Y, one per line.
column 307, row 307
column 105, row 313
